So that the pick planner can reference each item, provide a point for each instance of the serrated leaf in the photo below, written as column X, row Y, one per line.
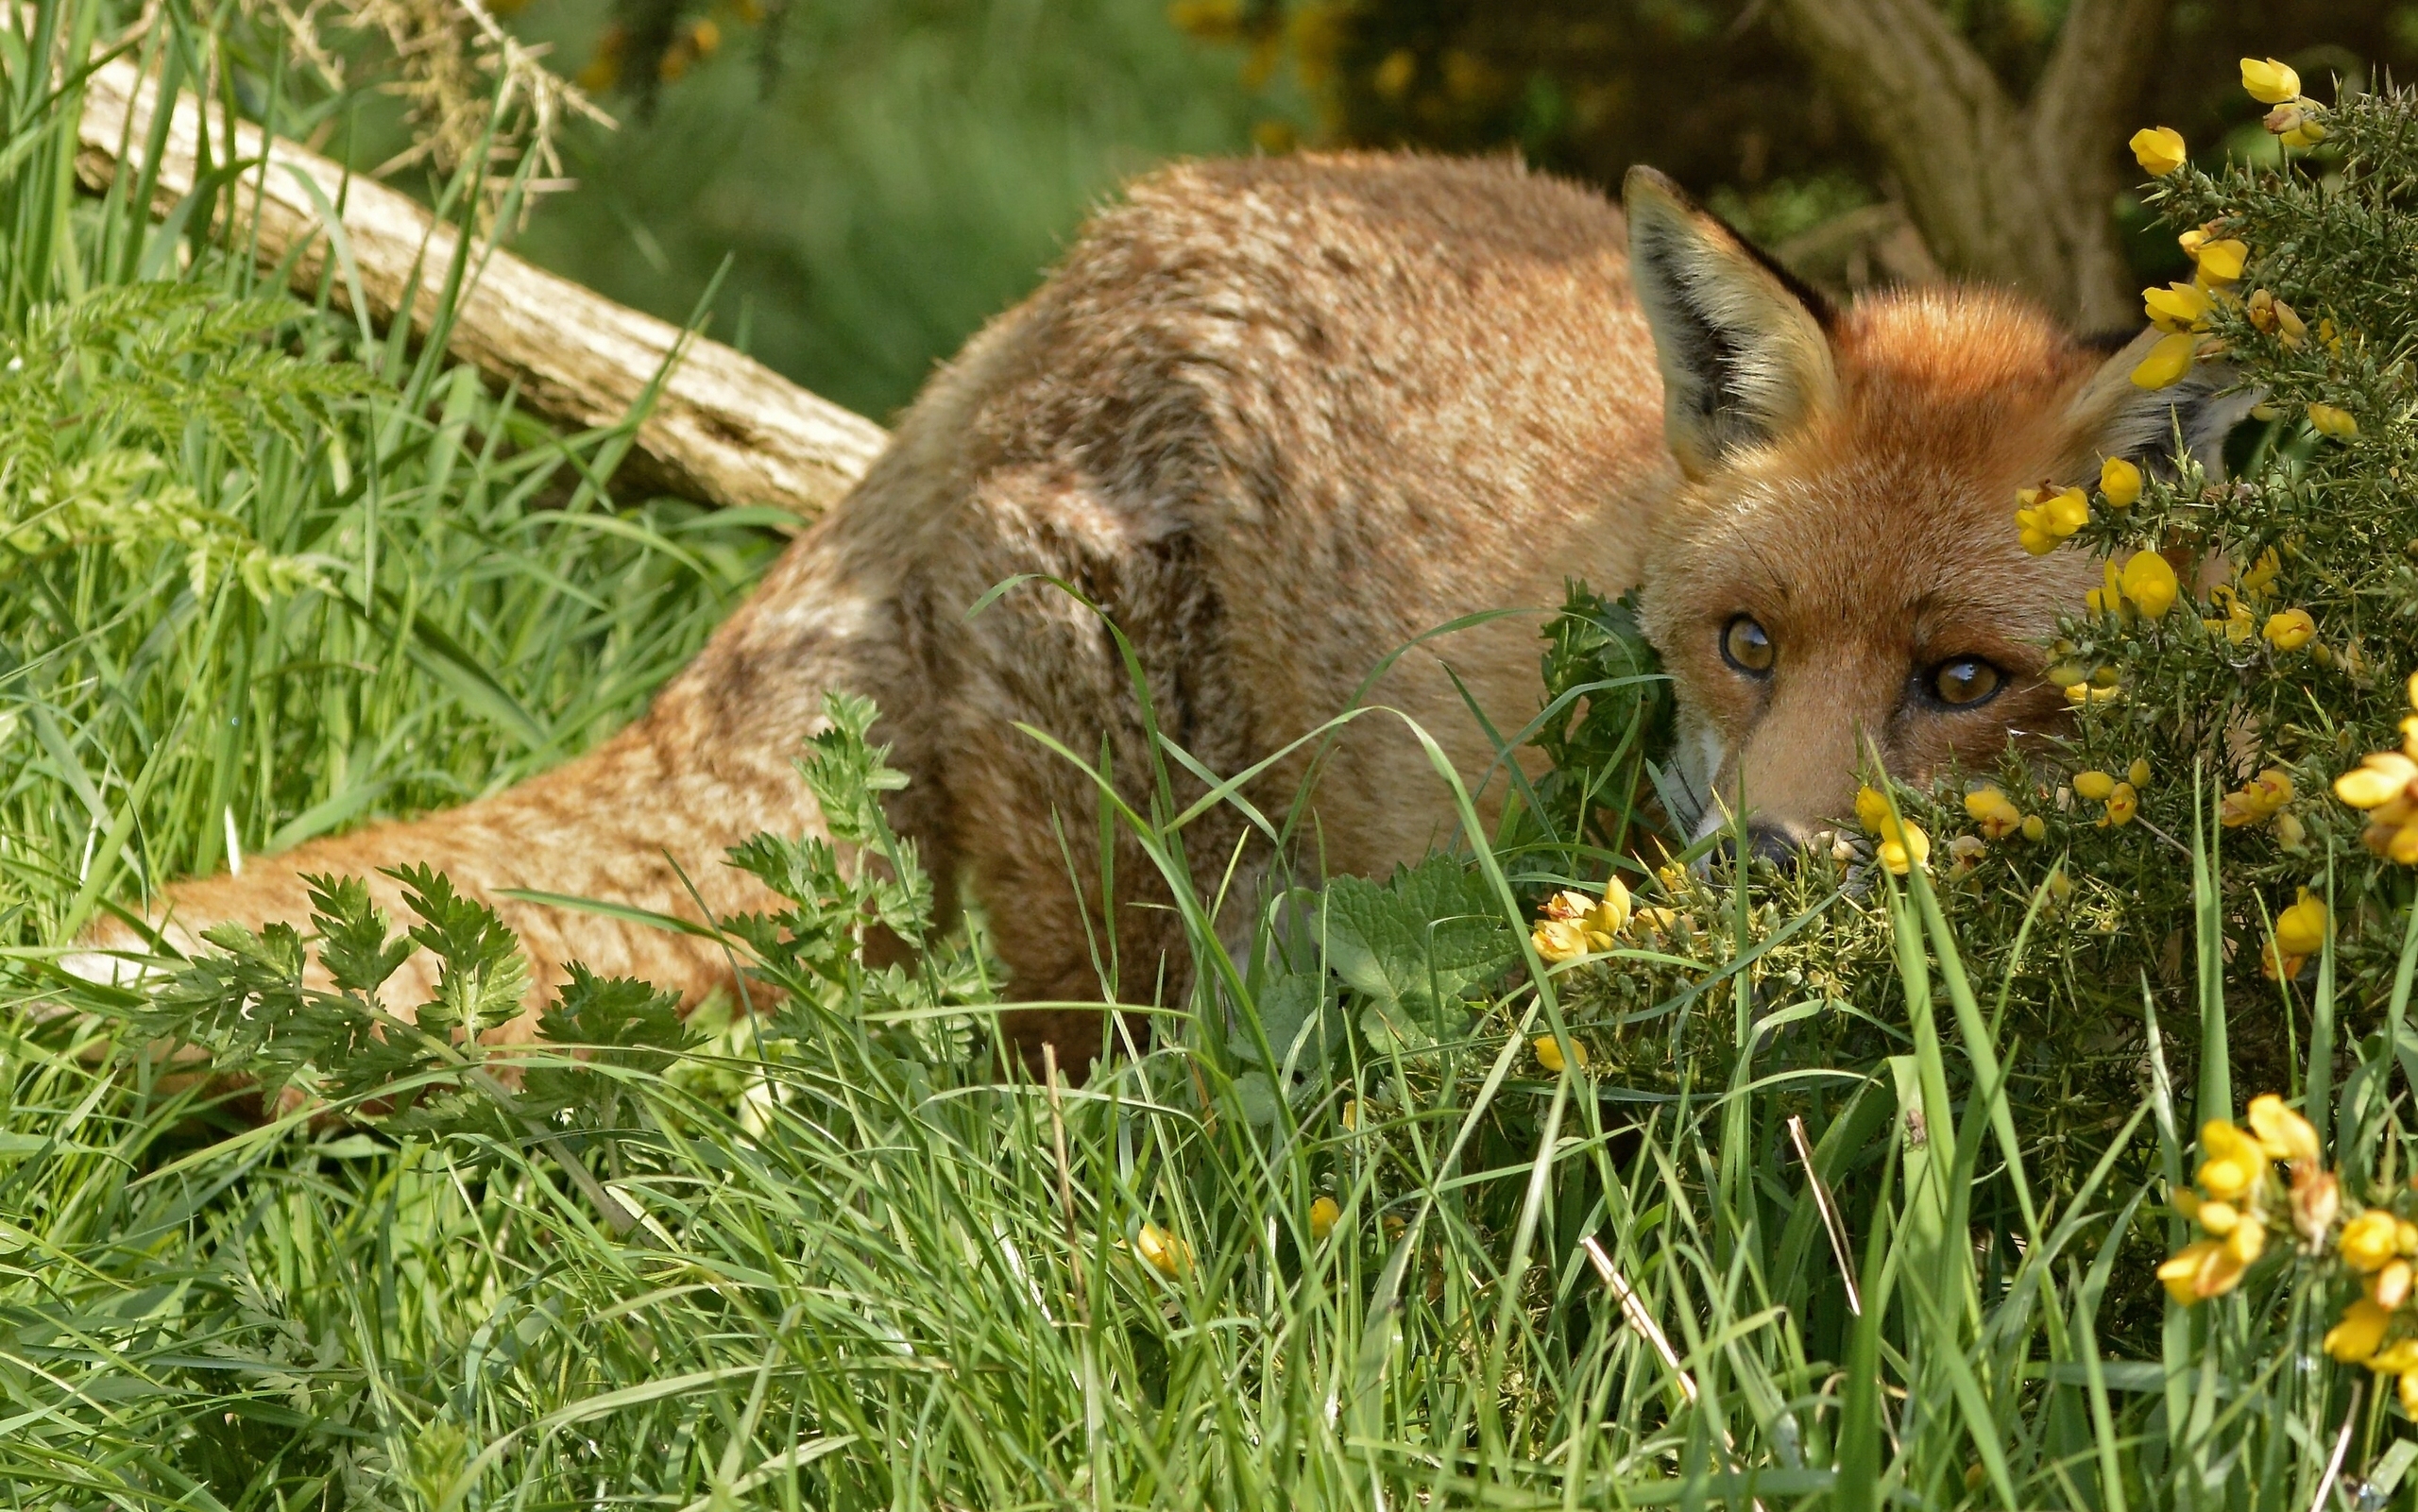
column 1415, row 947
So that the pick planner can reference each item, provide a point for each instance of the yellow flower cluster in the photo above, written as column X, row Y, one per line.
column 2237, row 1198
column 2294, row 119
column 1997, row 817
column 2379, row 1246
column 2181, row 310
column 2123, row 796
column 2044, row 517
column 2234, row 619
column 1903, row 846
column 1575, row 924
column 2385, row 786
column 2300, row 933
column 2275, row 317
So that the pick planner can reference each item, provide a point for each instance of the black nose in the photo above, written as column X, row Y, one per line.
column 1767, row 841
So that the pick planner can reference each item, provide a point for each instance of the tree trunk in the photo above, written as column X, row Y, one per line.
column 723, row 428
column 2015, row 193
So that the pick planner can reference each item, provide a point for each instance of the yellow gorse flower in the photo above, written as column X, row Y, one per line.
column 2295, row 123
column 2221, row 261
column 2358, row 1335
column 2158, row 149
column 2384, row 785
column 1574, row 923
column 2123, row 804
column 2043, row 518
column 2369, row 1242
column 2289, row 629
column 2177, row 307
column 2149, row 584
column 2138, row 772
column 1902, row 846
column 1323, row 1214
column 2230, row 1162
column 2283, row 1134
column 2120, row 483
column 1165, row 1254
column 2300, row 931
column 2166, row 363
column 2094, row 784
column 2275, row 317
column 2339, row 424
column 2270, row 82
column 1549, row 1051
column 1993, row 811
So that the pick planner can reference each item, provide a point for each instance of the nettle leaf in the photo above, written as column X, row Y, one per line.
column 1415, row 947
column 1303, row 1024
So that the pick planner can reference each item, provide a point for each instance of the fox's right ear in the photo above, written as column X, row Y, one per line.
column 1741, row 346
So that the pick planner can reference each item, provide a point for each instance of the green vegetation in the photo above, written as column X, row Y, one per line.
column 1881, row 1168
column 891, row 175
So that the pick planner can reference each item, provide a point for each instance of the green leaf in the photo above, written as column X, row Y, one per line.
column 1415, row 947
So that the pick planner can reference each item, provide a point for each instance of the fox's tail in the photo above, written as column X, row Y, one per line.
column 643, row 821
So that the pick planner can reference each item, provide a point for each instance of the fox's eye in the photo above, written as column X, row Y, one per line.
column 1965, row 682
column 1746, row 646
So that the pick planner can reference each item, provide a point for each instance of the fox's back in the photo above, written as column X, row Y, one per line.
column 1278, row 417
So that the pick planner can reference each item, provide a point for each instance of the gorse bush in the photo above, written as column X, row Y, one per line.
column 1559, row 1169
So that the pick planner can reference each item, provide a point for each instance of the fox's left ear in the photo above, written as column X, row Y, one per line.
column 2113, row 416
column 1741, row 346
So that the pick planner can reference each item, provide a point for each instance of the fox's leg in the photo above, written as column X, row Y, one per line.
column 642, row 820
column 1027, row 822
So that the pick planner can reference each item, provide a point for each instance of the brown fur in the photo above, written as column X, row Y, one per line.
column 1279, row 417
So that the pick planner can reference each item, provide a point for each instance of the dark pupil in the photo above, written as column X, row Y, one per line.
column 1747, row 645
column 1962, row 682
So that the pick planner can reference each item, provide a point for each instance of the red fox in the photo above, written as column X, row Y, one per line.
column 1278, row 419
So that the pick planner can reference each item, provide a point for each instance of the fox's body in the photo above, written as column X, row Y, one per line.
column 1277, row 419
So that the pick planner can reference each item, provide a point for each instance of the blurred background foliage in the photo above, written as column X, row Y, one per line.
column 859, row 183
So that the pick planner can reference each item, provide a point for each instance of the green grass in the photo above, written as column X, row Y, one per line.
column 874, row 1265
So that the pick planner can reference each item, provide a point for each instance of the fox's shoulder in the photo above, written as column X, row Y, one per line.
column 1477, row 208
column 1395, row 297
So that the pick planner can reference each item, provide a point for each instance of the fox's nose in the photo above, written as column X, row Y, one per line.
column 1765, row 841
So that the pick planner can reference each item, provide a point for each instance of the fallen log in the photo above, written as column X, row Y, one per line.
column 724, row 429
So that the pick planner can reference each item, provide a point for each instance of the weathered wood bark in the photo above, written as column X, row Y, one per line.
column 725, row 428
column 2015, row 193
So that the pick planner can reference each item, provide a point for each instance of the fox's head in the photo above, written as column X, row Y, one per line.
column 1839, row 569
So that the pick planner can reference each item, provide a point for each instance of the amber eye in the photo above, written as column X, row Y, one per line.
column 1747, row 646
column 1965, row 682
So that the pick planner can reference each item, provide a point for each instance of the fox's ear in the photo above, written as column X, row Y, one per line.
column 2113, row 416
column 1741, row 346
